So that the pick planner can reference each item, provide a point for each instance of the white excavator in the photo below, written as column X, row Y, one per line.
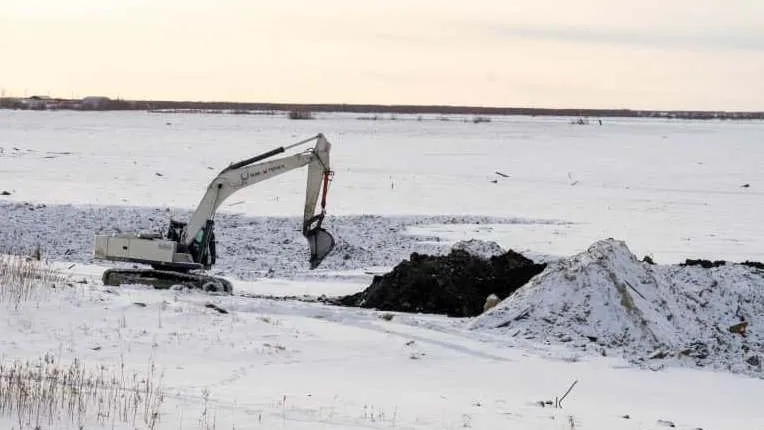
column 181, row 256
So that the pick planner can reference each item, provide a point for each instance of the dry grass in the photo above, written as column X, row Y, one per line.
column 21, row 276
column 45, row 393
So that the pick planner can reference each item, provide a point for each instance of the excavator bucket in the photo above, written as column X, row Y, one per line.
column 321, row 244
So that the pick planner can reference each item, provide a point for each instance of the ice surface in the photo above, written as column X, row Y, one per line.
column 668, row 189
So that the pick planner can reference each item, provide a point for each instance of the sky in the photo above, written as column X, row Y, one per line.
column 648, row 54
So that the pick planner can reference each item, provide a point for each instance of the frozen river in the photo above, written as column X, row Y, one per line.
column 672, row 189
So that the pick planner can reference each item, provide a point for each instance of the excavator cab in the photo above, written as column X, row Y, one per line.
column 175, row 230
column 202, row 248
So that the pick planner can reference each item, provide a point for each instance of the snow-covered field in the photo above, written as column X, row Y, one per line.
column 669, row 189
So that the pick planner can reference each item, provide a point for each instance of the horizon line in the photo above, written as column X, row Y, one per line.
column 392, row 107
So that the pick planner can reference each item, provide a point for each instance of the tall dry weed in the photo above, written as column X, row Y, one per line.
column 47, row 394
column 21, row 276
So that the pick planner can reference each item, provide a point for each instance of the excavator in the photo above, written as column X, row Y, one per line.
column 180, row 257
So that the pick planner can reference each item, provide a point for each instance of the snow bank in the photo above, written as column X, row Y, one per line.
column 484, row 249
column 605, row 300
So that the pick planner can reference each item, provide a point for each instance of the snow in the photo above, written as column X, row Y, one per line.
column 668, row 189
column 479, row 248
column 250, row 247
column 606, row 299
column 683, row 178
column 349, row 368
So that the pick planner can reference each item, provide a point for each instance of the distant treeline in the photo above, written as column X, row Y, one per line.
column 243, row 107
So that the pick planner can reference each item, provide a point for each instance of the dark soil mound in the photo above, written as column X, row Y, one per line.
column 755, row 264
column 707, row 264
column 456, row 284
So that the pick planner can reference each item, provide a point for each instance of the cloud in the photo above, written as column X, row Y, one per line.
column 696, row 39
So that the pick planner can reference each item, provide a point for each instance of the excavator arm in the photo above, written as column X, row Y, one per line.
column 190, row 246
column 254, row 170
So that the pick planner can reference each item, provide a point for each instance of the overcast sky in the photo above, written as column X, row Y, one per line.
column 677, row 54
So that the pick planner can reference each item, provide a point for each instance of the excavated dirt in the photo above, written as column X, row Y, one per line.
column 707, row 264
column 456, row 284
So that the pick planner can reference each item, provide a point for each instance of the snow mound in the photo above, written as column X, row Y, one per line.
column 606, row 300
column 479, row 248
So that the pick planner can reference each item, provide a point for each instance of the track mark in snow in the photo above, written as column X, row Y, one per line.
column 369, row 321
column 443, row 344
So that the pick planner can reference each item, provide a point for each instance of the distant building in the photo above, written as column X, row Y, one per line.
column 36, row 102
column 94, row 102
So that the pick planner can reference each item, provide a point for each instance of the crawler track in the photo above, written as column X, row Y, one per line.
column 164, row 279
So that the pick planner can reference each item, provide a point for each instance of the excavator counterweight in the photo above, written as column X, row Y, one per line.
column 188, row 248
